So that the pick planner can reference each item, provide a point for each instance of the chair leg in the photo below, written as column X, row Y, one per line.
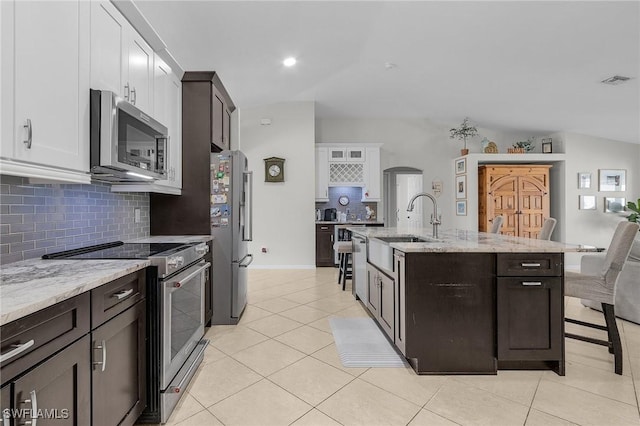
column 339, row 267
column 614, row 336
column 344, row 270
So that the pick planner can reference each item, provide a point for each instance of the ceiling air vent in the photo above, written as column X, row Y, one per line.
column 615, row 80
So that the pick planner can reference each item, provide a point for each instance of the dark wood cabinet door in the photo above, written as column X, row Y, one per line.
column 324, row 245
column 59, row 388
column 226, row 128
column 5, row 404
column 118, row 368
column 530, row 318
column 217, row 121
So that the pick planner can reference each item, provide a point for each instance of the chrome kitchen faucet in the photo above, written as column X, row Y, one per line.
column 435, row 219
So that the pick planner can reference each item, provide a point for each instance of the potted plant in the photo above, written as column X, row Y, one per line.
column 462, row 133
column 635, row 208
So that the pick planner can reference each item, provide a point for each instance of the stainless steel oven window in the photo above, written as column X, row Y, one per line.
column 182, row 317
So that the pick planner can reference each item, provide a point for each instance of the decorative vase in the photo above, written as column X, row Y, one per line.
column 464, row 151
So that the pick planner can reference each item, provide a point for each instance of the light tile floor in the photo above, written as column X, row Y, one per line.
column 279, row 366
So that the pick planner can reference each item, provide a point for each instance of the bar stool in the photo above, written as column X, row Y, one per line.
column 344, row 250
column 497, row 224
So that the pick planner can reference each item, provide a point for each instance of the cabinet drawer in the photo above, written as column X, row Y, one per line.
column 110, row 299
column 530, row 264
column 43, row 333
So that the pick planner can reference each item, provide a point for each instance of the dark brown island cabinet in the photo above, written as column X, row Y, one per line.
column 79, row 362
column 472, row 313
column 324, row 245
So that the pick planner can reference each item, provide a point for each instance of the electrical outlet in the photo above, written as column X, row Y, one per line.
column 136, row 215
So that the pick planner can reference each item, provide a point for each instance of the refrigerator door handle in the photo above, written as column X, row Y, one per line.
column 244, row 265
column 247, row 198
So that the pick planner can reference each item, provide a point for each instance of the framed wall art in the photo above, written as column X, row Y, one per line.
column 461, row 187
column 584, row 180
column 461, row 166
column 461, row 208
column 612, row 180
column 614, row 205
column 587, row 202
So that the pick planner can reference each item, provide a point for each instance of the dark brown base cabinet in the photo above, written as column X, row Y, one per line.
column 324, row 245
column 472, row 313
column 58, row 389
column 84, row 360
column 530, row 311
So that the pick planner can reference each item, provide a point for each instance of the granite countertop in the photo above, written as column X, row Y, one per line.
column 460, row 240
column 173, row 239
column 31, row 285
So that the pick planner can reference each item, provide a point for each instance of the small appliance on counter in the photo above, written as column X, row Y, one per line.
column 330, row 214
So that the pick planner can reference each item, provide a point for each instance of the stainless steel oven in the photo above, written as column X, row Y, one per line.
column 182, row 320
column 175, row 314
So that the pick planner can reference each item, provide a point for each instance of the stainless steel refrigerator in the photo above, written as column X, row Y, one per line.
column 231, row 228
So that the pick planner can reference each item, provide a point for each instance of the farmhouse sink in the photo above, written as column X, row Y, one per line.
column 380, row 254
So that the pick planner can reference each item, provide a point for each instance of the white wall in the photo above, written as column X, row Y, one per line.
column 418, row 143
column 589, row 154
column 283, row 213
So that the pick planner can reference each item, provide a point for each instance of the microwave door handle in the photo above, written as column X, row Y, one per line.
column 248, row 206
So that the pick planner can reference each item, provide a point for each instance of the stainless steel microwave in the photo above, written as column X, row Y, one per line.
column 126, row 144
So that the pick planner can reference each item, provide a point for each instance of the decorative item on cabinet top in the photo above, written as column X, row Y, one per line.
column 547, row 147
column 274, row 169
column 463, row 132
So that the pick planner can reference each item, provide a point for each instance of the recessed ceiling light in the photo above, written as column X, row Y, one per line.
column 616, row 79
column 289, row 62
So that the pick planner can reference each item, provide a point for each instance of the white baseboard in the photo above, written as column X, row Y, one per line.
column 282, row 267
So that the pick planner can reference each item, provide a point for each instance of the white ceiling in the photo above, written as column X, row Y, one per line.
column 514, row 66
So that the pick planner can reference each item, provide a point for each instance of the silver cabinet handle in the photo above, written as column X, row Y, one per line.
column 532, row 283
column 102, row 363
column 34, row 408
column 29, row 134
column 122, row 294
column 126, row 89
column 133, row 96
column 530, row 265
column 17, row 349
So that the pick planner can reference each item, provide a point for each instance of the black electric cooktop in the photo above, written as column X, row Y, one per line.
column 116, row 250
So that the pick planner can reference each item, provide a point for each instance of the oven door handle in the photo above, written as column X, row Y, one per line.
column 181, row 282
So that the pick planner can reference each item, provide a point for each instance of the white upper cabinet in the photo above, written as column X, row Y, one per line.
column 121, row 61
column 322, row 174
column 356, row 155
column 348, row 165
column 45, row 89
column 372, row 190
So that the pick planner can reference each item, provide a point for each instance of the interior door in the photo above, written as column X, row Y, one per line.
column 407, row 185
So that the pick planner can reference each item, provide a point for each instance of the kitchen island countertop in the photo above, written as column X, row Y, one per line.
column 460, row 240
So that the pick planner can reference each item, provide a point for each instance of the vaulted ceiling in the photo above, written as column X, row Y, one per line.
column 532, row 66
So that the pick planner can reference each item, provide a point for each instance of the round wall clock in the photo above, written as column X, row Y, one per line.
column 274, row 169
column 343, row 200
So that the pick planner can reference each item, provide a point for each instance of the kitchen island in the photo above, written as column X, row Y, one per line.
column 467, row 302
